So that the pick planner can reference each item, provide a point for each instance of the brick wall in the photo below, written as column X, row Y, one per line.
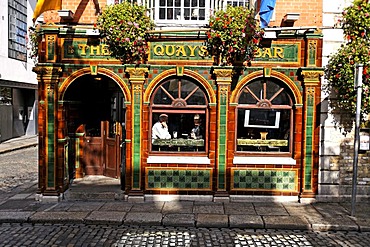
column 86, row 11
column 310, row 12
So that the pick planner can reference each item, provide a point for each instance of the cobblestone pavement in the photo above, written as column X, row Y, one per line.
column 17, row 168
column 102, row 235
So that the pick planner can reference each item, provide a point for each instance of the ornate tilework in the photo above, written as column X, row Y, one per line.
column 171, row 179
column 261, row 179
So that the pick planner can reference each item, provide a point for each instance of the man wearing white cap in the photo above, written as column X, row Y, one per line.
column 160, row 128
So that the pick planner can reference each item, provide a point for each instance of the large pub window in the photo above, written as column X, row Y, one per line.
column 265, row 118
column 183, row 105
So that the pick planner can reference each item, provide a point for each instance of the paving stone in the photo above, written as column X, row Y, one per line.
column 85, row 206
column 11, row 217
column 147, row 207
column 186, row 220
column 59, row 217
column 239, row 208
column 270, row 209
column 338, row 223
column 141, row 218
column 364, row 224
column 212, row 220
column 286, row 222
column 116, row 206
column 105, row 217
column 330, row 209
column 180, row 207
column 246, row 221
column 212, row 208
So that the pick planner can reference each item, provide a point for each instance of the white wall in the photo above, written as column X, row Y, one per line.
column 330, row 137
column 11, row 69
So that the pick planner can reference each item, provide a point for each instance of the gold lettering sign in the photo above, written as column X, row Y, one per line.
column 91, row 50
column 260, row 142
column 184, row 51
column 274, row 52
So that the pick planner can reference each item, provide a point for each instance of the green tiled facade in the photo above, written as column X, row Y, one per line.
column 253, row 179
column 171, row 179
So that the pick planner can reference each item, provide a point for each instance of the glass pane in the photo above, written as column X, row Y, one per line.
column 187, row 3
column 162, row 14
column 263, row 130
column 194, row 3
column 162, row 3
column 282, row 99
column 170, row 14
column 187, row 14
column 5, row 96
column 202, row 14
column 178, row 3
column 179, row 132
column 196, row 98
column 162, row 98
column 169, row 2
column 202, row 3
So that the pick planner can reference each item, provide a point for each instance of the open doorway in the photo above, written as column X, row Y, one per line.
column 95, row 118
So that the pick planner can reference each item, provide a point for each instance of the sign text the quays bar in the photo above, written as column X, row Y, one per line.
column 192, row 50
column 81, row 48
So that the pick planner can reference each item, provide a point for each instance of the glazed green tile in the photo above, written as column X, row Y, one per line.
column 263, row 179
column 190, row 179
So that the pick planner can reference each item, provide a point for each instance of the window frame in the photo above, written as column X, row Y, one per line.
column 272, row 107
column 171, row 109
column 17, row 30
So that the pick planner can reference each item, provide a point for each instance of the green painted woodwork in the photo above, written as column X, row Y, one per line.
column 189, row 179
column 252, row 179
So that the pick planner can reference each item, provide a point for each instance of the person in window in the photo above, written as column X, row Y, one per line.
column 160, row 128
column 196, row 132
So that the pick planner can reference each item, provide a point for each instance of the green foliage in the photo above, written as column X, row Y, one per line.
column 124, row 27
column 341, row 66
column 234, row 33
column 34, row 38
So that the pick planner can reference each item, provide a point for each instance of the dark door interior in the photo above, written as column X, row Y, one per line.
column 97, row 104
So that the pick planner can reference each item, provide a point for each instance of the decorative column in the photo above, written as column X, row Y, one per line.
column 48, row 78
column 310, row 152
column 137, row 76
column 223, row 80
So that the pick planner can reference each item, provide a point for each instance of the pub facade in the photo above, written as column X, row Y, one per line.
column 232, row 130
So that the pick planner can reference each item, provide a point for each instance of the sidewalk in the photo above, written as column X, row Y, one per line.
column 18, row 143
column 102, row 202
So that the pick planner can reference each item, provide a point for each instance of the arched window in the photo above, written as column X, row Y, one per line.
column 179, row 117
column 265, row 118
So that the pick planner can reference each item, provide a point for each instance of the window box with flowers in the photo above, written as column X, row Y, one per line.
column 124, row 28
column 234, row 35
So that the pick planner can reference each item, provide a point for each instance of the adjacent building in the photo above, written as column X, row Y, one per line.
column 18, row 84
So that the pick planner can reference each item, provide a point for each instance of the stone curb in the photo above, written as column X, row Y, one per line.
column 181, row 220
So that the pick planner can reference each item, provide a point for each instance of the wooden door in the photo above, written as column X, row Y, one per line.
column 92, row 152
column 112, row 150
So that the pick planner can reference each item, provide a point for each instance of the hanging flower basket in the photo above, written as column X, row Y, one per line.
column 340, row 70
column 124, row 28
column 234, row 35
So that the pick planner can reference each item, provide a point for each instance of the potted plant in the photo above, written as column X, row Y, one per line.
column 233, row 35
column 124, row 28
